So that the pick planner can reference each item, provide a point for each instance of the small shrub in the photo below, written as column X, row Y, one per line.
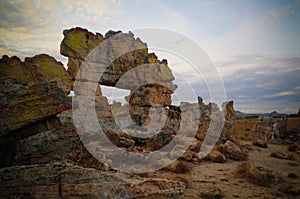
column 182, row 167
column 237, row 155
column 211, row 193
column 256, row 175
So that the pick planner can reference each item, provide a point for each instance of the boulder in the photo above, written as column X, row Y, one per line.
column 150, row 95
column 230, row 147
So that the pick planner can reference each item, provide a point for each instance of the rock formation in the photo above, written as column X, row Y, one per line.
column 37, row 69
column 66, row 180
column 42, row 154
column 269, row 128
column 78, row 43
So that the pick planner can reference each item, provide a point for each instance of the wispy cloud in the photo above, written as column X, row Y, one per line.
column 281, row 94
column 253, row 79
column 35, row 27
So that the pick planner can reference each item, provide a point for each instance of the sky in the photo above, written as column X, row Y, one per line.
column 254, row 44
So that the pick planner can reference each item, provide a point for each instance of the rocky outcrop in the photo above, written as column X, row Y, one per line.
column 269, row 128
column 125, row 63
column 38, row 69
column 23, row 104
column 66, row 180
column 44, row 155
column 230, row 115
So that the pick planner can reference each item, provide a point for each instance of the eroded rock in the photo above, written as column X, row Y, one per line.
column 23, row 104
column 63, row 179
column 37, row 69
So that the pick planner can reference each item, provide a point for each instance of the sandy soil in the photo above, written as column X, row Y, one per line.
column 222, row 177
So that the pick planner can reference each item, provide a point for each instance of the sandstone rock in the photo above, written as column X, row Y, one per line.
column 150, row 95
column 234, row 152
column 64, row 180
column 78, row 43
column 47, row 144
column 216, row 156
column 119, row 140
column 230, row 147
column 16, row 69
column 230, row 115
column 37, row 69
column 159, row 140
column 150, row 84
column 23, row 104
column 269, row 128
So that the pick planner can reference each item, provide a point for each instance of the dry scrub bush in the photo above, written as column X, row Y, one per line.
column 257, row 175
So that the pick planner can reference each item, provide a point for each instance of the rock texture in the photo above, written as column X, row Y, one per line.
column 149, row 80
column 38, row 69
column 23, row 104
column 66, row 180
column 270, row 127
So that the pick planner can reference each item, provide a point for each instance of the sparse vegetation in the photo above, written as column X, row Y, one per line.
column 251, row 117
column 182, row 167
column 212, row 193
column 237, row 155
column 257, row 175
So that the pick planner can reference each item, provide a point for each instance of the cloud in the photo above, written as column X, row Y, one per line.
column 271, row 17
column 281, row 94
column 35, row 27
column 262, row 82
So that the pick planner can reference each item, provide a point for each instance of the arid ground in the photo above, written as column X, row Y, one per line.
column 221, row 180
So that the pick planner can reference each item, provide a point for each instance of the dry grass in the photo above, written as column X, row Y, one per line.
column 293, row 123
column 237, row 155
column 256, row 175
column 180, row 167
column 211, row 193
column 242, row 128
